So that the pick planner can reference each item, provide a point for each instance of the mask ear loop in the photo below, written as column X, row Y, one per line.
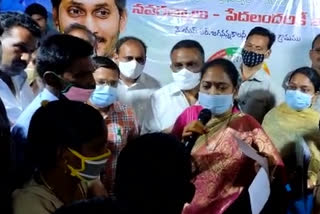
column 69, row 85
column 75, row 172
column 67, row 88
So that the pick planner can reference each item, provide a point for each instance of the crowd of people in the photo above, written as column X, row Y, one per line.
column 84, row 129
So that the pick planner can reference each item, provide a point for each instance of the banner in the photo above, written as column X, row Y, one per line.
column 221, row 27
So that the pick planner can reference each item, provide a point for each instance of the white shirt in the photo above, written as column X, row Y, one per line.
column 138, row 95
column 20, row 129
column 15, row 104
column 166, row 104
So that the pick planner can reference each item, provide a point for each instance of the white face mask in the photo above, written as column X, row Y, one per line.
column 185, row 79
column 131, row 69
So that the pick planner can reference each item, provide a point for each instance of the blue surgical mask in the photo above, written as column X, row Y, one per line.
column 298, row 100
column 103, row 96
column 217, row 104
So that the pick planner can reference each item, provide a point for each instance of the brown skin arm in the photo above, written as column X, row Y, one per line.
column 194, row 127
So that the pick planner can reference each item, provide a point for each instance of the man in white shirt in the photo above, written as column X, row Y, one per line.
column 18, row 41
column 257, row 94
column 167, row 103
column 135, row 86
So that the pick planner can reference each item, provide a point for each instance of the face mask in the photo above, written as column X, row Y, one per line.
column 251, row 59
column 185, row 79
column 131, row 69
column 90, row 166
column 298, row 100
column 77, row 94
column 103, row 96
column 217, row 104
column 72, row 92
column 31, row 74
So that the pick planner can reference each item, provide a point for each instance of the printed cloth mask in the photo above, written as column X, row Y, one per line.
column 131, row 69
column 90, row 166
column 298, row 100
column 251, row 58
column 103, row 96
column 185, row 79
column 217, row 104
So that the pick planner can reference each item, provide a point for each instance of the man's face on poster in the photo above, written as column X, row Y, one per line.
column 102, row 17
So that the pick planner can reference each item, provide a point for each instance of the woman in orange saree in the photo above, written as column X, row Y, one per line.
column 222, row 170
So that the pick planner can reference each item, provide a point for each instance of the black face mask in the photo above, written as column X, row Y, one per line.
column 251, row 59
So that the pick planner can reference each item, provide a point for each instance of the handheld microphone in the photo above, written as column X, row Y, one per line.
column 204, row 117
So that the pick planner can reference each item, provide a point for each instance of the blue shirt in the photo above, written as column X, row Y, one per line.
column 21, row 127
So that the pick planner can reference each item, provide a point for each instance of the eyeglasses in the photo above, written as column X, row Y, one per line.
column 109, row 83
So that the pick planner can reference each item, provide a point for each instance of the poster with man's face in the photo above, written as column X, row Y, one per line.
column 104, row 18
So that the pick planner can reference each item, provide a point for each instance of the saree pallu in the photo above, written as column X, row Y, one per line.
column 285, row 125
column 223, row 171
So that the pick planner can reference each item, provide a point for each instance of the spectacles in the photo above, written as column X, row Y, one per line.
column 109, row 83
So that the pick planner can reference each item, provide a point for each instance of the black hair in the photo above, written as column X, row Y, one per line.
column 105, row 62
column 121, row 4
column 154, row 169
column 77, row 26
column 8, row 20
column 59, row 124
column 59, row 51
column 38, row 9
column 189, row 44
column 123, row 40
column 4, row 121
column 310, row 73
column 6, row 157
column 314, row 40
column 228, row 67
column 263, row 32
column 1, row 30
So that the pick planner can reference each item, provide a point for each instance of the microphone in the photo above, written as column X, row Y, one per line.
column 204, row 117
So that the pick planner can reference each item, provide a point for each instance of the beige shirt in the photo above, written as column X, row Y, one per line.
column 35, row 198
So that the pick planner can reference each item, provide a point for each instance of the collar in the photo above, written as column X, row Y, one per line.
column 259, row 76
column 173, row 89
column 137, row 83
column 114, row 107
column 46, row 94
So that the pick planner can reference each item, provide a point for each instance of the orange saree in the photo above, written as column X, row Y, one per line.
column 223, row 171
